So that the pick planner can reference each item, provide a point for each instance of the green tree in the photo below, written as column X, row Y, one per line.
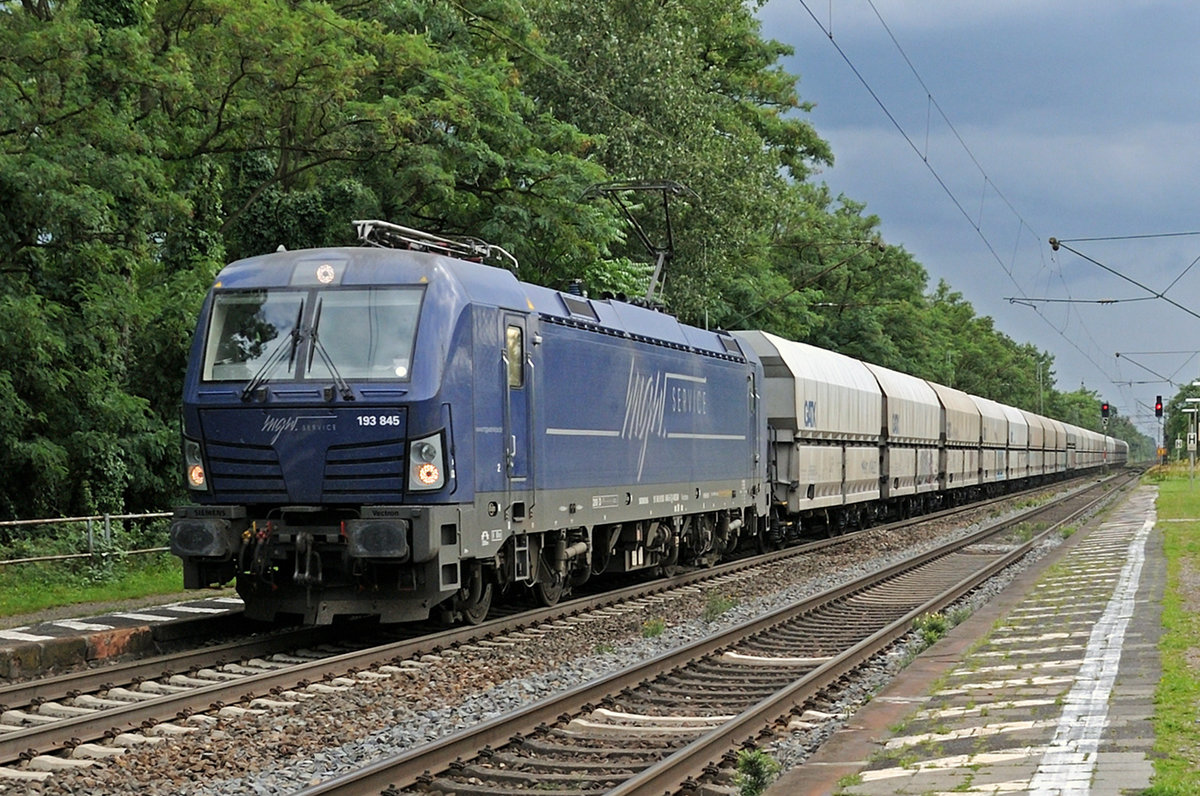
column 141, row 145
column 85, row 197
column 689, row 92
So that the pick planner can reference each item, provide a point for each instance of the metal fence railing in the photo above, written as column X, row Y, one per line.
column 99, row 523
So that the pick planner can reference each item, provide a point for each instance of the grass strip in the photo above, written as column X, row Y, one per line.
column 1177, row 698
column 32, row 588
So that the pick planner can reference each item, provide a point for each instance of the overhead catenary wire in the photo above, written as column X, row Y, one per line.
column 988, row 183
column 1056, row 243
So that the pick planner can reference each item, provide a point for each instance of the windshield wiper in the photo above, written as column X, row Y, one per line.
column 276, row 356
column 317, row 347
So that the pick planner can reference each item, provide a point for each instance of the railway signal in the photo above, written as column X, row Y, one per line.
column 1104, row 409
column 1158, row 406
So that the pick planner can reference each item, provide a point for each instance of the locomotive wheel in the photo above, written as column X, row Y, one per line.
column 550, row 593
column 550, row 584
column 473, row 601
column 476, row 606
column 475, row 612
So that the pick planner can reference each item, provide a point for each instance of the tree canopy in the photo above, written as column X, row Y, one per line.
column 144, row 143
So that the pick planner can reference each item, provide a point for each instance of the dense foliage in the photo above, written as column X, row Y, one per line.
column 143, row 143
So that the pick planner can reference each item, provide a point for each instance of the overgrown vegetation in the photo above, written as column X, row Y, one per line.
column 142, row 145
column 933, row 627
column 95, row 570
column 717, row 604
column 653, row 628
column 756, row 770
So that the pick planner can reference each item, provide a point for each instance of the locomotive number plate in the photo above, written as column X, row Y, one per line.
column 379, row 420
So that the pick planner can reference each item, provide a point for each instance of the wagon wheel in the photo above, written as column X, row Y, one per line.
column 770, row 536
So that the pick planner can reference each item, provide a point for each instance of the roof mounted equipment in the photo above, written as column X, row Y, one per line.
column 614, row 193
column 393, row 236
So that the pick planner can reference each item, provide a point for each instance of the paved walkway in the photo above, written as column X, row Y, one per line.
column 53, row 646
column 1048, row 689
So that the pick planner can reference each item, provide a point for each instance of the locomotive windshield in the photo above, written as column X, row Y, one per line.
column 368, row 333
column 364, row 333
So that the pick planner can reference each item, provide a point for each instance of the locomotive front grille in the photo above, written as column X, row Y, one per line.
column 252, row 471
column 367, row 472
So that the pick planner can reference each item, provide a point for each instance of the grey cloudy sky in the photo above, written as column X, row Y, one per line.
column 1021, row 120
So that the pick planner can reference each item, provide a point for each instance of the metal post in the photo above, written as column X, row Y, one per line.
column 1193, row 425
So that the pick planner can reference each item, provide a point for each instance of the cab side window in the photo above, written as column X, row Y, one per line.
column 515, row 354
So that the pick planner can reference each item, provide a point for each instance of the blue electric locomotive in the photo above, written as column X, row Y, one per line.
column 399, row 429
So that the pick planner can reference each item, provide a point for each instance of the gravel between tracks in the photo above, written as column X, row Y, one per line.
column 286, row 749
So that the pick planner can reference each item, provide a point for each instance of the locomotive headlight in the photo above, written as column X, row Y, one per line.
column 193, row 466
column 195, row 476
column 428, row 474
column 425, row 464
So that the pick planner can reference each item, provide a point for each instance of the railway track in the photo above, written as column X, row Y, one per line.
column 47, row 721
column 666, row 724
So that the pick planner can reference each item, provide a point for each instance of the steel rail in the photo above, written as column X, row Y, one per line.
column 408, row 768
column 691, row 761
column 32, row 741
column 61, row 686
column 44, row 689
column 64, row 685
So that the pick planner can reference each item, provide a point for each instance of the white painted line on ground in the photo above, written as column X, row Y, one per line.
column 979, row 731
column 1069, row 760
column 1016, row 682
column 1015, row 667
column 957, row 761
column 951, row 713
column 1043, row 651
column 18, row 634
column 72, row 624
column 1033, row 639
column 144, row 617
